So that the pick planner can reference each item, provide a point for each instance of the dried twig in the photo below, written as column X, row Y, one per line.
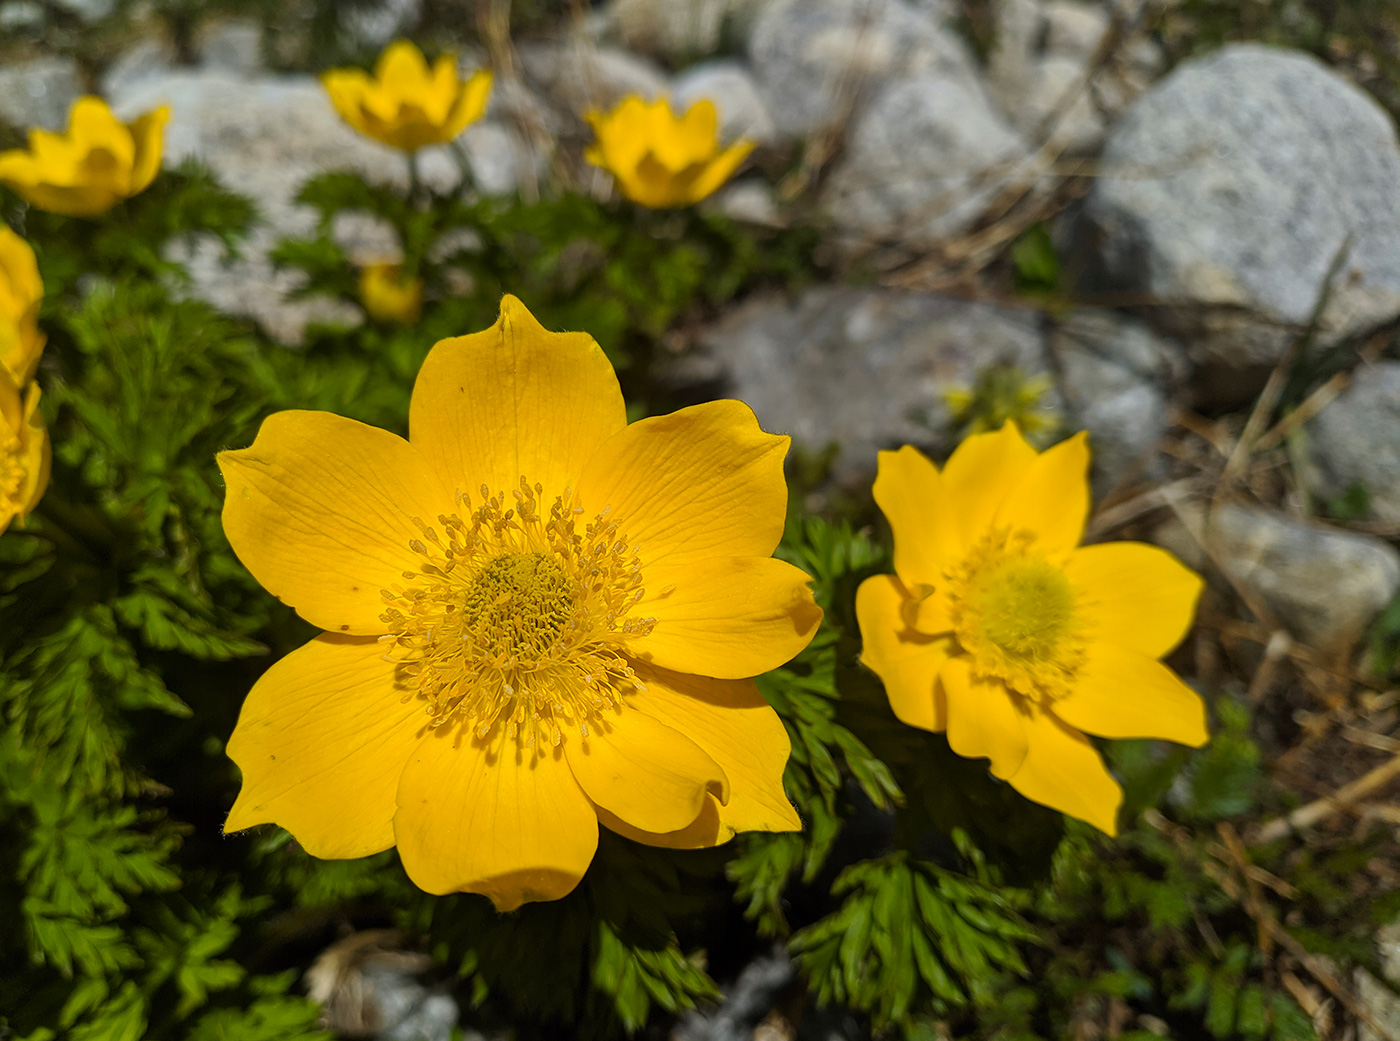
column 1320, row 809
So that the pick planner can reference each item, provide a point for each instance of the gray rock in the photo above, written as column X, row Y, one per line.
column 234, row 44
column 88, row 10
column 263, row 137
column 1375, row 997
column 38, row 93
column 1057, row 97
column 1242, row 174
column 730, row 86
column 1073, row 28
column 749, row 200
column 375, row 25
column 1116, row 375
column 681, row 29
column 863, row 368
column 21, row 16
column 922, row 161
column 578, row 75
column 1324, row 585
column 745, row 1003
column 153, row 56
column 815, row 57
column 1356, row 439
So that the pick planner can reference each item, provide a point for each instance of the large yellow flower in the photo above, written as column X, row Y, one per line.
column 21, row 292
column 387, row 297
column 537, row 616
column 660, row 159
column 24, row 450
column 95, row 164
column 405, row 104
column 999, row 628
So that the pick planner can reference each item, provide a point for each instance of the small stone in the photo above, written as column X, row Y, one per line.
column 231, row 43
column 923, row 161
column 374, row 26
column 751, row 201
column 814, row 59
column 1356, row 440
column 1058, row 85
column 1375, row 997
column 1116, row 374
column 1324, row 585
column 735, row 95
column 88, row 10
column 865, row 369
column 579, row 76
column 1244, row 173
column 38, row 93
column 153, row 56
column 746, row 1001
column 1073, row 28
column 679, row 29
column 17, row 16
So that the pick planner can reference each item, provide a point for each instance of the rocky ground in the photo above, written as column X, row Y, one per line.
column 1225, row 232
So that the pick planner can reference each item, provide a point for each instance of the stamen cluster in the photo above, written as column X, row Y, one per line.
column 517, row 617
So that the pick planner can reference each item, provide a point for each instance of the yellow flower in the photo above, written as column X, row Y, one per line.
column 660, row 159
column 21, row 292
column 24, row 450
column 404, row 104
column 387, row 297
column 999, row 628
column 95, row 164
column 537, row 616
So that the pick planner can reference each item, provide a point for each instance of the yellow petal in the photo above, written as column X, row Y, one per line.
column 403, row 71
column 93, row 127
column 1121, row 692
column 697, row 484
column 491, row 817
column 36, row 458
column 1052, row 497
column 718, row 171
column 909, row 491
column 907, row 662
column 648, row 774
column 321, row 742
column 514, row 400
column 1062, row 770
column 729, row 617
column 980, row 473
column 148, row 133
column 985, row 719
column 347, row 89
column 1135, row 595
column 470, row 105
column 320, row 509
column 729, row 720
column 680, row 141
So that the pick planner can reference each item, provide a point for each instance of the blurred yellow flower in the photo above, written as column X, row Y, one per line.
column 998, row 627
column 21, row 292
column 24, row 450
column 405, row 104
column 660, row 159
column 387, row 297
column 93, row 165
column 538, row 618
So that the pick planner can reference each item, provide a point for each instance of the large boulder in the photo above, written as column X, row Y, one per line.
column 814, row 57
column 1229, row 190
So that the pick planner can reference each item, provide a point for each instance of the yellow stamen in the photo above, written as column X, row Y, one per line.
column 516, row 617
column 1014, row 615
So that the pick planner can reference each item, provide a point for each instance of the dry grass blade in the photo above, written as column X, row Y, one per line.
column 1320, row 809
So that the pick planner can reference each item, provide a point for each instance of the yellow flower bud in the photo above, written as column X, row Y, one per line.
column 405, row 104
column 21, row 291
column 93, row 165
column 387, row 297
column 660, row 159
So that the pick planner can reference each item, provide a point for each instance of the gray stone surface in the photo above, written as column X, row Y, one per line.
column 39, row 92
column 1356, row 439
column 1323, row 584
column 87, row 10
column 922, row 161
column 234, row 44
column 577, row 75
column 746, row 1001
column 1375, row 997
column 680, row 29
column 814, row 57
column 263, row 137
column 731, row 87
column 149, row 57
column 21, row 16
column 374, row 25
column 1116, row 375
column 1239, row 177
column 866, row 369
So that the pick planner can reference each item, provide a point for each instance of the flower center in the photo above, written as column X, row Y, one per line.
column 517, row 617
column 1014, row 615
column 12, row 469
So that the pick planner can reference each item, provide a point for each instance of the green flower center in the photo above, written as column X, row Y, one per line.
column 519, row 603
